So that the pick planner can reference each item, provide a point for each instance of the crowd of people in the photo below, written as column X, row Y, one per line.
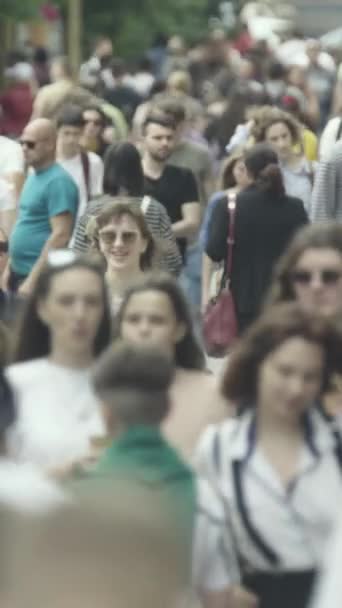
column 137, row 470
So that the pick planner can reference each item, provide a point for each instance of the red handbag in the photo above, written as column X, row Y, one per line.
column 220, row 327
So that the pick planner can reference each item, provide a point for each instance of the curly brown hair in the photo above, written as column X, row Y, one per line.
column 276, row 326
column 325, row 235
column 270, row 116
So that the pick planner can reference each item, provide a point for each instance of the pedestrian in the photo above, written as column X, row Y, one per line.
column 23, row 488
column 265, row 220
column 47, row 209
column 327, row 192
column 121, row 234
column 95, row 121
column 86, row 168
column 280, row 130
column 262, row 541
column 310, row 270
column 173, row 187
column 123, row 176
column 64, row 326
column 133, row 384
column 155, row 312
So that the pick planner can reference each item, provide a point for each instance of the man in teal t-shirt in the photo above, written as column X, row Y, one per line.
column 47, row 208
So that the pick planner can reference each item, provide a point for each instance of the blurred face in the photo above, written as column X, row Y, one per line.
column 73, row 309
column 279, row 137
column 68, row 140
column 317, row 281
column 159, row 142
column 290, row 379
column 38, row 148
column 149, row 318
column 93, row 124
column 122, row 244
column 240, row 174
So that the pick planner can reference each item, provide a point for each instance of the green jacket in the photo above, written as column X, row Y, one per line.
column 142, row 456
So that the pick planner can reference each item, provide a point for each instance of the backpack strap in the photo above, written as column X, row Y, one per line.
column 86, row 172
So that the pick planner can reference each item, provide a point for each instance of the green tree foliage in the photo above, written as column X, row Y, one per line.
column 132, row 24
column 19, row 9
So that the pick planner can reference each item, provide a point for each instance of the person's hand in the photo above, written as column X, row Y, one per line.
column 25, row 288
column 241, row 598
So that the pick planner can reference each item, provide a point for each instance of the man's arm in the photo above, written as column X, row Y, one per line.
column 189, row 225
column 61, row 232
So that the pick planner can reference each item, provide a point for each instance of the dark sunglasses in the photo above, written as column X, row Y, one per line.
column 328, row 277
column 3, row 246
column 29, row 144
column 127, row 237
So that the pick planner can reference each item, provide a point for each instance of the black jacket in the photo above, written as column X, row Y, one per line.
column 264, row 225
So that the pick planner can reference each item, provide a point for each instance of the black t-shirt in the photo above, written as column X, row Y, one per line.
column 174, row 188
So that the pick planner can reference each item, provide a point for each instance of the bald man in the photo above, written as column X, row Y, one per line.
column 47, row 208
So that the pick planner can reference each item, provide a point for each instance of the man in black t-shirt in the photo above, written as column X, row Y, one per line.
column 173, row 187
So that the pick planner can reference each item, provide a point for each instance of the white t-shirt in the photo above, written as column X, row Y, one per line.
column 7, row 195
column 11, row 156
column 74, row 167
column 58, row 414
column 25, row 489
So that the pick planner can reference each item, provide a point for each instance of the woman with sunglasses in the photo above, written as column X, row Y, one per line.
column 274, row 473
column 65, row 325
column 124, row 176
column 155, row 312
column 310, row 271
column 121, row 234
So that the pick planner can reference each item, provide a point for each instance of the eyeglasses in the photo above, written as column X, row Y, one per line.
column 328, row 276
column 3, row 246
column 29, row 144
column 127, row 237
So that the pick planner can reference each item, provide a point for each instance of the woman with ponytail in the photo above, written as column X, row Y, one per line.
column 265, row 220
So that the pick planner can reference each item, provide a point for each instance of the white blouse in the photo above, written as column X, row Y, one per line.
column 58, row 414
column 246, row 515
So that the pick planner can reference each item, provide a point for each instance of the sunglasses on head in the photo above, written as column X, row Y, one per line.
column 29, row 144
column 127, row 237
column 328, row 276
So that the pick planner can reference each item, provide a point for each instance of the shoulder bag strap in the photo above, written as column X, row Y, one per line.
column 231, row 233
column 86, row 171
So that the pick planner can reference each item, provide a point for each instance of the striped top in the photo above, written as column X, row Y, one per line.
column 157, row 220
column 326, row 202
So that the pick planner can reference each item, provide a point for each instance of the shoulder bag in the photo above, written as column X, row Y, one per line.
column 220, row 326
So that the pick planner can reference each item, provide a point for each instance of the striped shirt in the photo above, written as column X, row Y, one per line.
column 326, row 202
column 158, row 222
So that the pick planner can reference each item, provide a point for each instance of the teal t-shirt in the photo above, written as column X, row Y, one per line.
column 46, row 193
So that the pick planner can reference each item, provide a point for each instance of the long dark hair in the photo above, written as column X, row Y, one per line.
column 34, row 336
column 262, row 164
column 123, row 170
column 188, row 353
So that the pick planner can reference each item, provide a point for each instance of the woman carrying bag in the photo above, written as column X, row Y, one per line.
column 265, row 220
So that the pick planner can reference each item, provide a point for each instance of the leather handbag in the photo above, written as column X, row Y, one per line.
column 220, row 327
